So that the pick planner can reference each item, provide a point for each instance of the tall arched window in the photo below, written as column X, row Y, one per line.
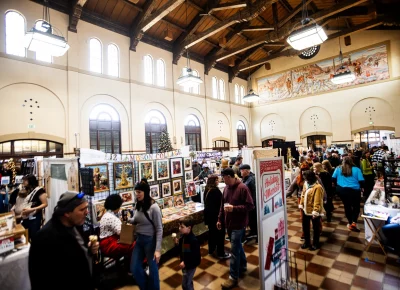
column 242, row 94
column 113, row 60
column 95, row 54
column 160, row 73
column 105, row 129
column 148, row 69
column 154, row 125
column 15, row 33
column 237, row 96
column 214, row 84
column 221, row 87
column 193, row 132
column 241, row 134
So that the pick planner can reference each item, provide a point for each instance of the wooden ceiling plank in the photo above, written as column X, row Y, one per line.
column 228, row 5
column 258, row 28
column 195, row 6
column 275, row 15
column 173, row 25
column 160, row 13
column 293, row 13
column 313, row 7
column 286, row 5
column 134, row 6
column 75, row 15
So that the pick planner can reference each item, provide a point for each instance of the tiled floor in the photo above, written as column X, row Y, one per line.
column 339, row 264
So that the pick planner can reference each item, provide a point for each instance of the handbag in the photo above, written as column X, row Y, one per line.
column 127, row 235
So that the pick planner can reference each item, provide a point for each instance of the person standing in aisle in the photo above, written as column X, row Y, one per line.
column 237, row 164
column 196, row 167
column 58, row 257
column 326, row 180
column 149, row 230
column 236, row 203
column 249, row 179
column 368, row 174
column 349, row 182
column 212, row 205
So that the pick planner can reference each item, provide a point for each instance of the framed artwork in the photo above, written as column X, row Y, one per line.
column 191, row 189
column 18, row 179
column 188, row 163
column 155, row 191
column 176, row 167
column 162, row 169
column 100, row 177
column 178, row 200
column 188, row 176
column 123, row 175
column 160, row 203
column 99, row 208
column 166, row 189
column 168, row 202
column 146, row 170
column 127, row 197
column 177, row 186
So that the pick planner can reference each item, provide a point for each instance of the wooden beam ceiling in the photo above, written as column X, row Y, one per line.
column 228, row 5
column 159, row 14
column 133, row 5
column 258, row 28
column 75, row 14
column 293, row 13
column 136, row 33
column 286, row 5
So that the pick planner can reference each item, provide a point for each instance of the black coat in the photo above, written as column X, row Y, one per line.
column 250, row 182
column 189, row 251
column 212, row 205
column 57, row 261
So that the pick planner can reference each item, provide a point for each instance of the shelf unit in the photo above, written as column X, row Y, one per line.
column 392, row 176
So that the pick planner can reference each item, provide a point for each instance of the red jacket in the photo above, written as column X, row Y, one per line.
column 239, row 196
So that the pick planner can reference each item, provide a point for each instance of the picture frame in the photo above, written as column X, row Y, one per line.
column 177, row 186
column 160, row 203
column 100, row 177
column 146, row 170
column 18, row 179
column 176, row 167
column 127, row 197
column 155, row 191
column 5, row 180
column 188, row 176
column 191, row 189
column 99, row 209
column 187, row 161
column 162, row 167
column 123, row 175
column 178, row 200
column 169, row 202
column 166, row 189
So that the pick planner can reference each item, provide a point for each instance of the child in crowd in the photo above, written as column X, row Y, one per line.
column 189, row 249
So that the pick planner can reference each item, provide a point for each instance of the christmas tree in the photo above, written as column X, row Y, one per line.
column 165, row 142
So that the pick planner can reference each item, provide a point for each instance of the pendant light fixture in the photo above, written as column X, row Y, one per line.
column 43, row 37
column 188, row 79
column 251, row 97
column 307, row 35
column 342, row 74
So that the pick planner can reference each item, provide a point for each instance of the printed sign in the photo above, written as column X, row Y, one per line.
column 6, row 245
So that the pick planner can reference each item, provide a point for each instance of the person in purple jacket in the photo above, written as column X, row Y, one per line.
column 236, row 203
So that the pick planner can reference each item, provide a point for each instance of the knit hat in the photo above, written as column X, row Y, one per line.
column 244, row 166
column 68, row 201
column 228, row 171
column 143, row 186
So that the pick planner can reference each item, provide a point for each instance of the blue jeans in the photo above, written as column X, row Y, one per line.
column 187, row 279
column 238, row 258
column 145, row 248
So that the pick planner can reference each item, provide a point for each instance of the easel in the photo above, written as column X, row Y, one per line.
column 375, row 232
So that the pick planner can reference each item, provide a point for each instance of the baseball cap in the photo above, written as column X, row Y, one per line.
column 244, row 166
column 68, row 201
column 228, row 171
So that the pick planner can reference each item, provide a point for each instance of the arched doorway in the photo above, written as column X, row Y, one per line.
column 154, row 125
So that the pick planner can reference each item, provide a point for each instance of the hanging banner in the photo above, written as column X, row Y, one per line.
column 272, row 220
column 155, row 156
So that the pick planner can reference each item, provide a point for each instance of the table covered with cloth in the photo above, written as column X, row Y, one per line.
column 14, row 273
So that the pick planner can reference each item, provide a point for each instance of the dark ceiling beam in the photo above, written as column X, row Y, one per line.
column 75, row 14
column 228, row 5
column 286, row 5
column 195, row 6
column 134, row 6
column 293, row 13
column 275, row 15
column 159, row 14
column 262, row 20
column 173, row 25
column 347, row 21
column 248, row 54
column 258, row 28
column 136, row 32
column 313, row 7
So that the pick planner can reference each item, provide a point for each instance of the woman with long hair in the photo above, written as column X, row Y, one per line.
column 349, row 180
column 368, row 174
column 326, row 165
column 326, row 180
column 212, row 205
column 149, row 231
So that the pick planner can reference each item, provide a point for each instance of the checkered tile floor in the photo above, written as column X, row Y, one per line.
column 339, row 264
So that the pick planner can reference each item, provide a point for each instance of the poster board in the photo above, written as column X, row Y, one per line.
column 271, row 211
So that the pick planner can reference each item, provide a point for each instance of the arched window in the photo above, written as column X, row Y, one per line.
column 214, row 84
column 105, row 129
column 221, row 87
column 160, row 73
column 148, row 69
column 221, row 145
column 193, row 132
column 15, row 33
column 95, row 54
column 113, row 60
column 242, row 94
column 237, row 96
column 154, row 125
column 241, row 134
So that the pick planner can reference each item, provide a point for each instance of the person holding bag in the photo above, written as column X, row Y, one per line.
column 149, row 231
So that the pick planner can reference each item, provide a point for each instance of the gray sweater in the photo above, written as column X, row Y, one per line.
column 144, row 227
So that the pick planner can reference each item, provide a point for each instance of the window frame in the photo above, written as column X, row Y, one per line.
column 5, row 32
column 118, row 62
column 237, row 94
column 221, row 89
column 153, row 130
column 91, row 57
column 241, row 134
column 242, row 94
column 193, row 133
column 164, row 73
column 151, row 67
column 214, row 87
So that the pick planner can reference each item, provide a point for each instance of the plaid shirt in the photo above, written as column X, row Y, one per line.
column 379, row 156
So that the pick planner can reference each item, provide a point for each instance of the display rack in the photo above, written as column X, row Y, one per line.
column 392, row 176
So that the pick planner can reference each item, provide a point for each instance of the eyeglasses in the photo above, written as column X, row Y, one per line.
column 78, row 196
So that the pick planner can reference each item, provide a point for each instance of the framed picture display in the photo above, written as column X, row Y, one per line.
column 99, row 208
column 191, row 189
column 176, row 167
column 18, row 179
column 155, row 191
column 166, row 189
column 177, row 186
column 160, row 203
column 123, row 175
column 127, row 197
column 168, row 202
column 100, row 177
column 178, row 200
column 146, row 170
column 162, row 169
column 188, row 176
column 187, row 161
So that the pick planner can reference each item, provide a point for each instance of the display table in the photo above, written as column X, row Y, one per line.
column 14, row 274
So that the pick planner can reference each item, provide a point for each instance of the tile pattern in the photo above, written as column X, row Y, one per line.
column 339, row 264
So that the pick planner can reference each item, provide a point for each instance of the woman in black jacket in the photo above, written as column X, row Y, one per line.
column 326, row 179
column 212, row 205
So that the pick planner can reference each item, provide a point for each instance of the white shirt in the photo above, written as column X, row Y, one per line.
column 109, row 225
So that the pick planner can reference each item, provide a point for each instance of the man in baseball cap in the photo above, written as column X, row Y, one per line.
column 60, row 249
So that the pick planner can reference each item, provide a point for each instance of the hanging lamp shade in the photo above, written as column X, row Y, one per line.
column 306, row 37
column 251, row 97
column 189, row 80
column 343, row 77
column 42, row 38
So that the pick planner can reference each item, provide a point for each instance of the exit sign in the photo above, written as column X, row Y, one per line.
column 31, row 126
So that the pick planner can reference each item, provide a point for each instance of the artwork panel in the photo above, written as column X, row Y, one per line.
column 123, row 175
column 146, row 170
column 100, row 177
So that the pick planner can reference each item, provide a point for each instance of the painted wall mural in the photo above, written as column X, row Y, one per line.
column 369, row 65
